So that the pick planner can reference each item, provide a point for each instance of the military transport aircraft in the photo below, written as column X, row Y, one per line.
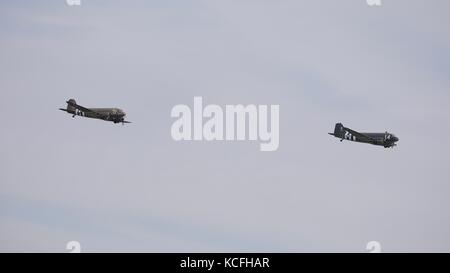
column 109, row 114
column 381, row 139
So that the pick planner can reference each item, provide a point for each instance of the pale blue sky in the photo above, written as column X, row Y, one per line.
column 132, row 188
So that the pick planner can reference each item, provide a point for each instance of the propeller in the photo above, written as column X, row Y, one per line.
column 387, row 140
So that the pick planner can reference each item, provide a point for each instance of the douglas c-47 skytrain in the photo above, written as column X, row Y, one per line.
column 109, row 114
column 381, row 139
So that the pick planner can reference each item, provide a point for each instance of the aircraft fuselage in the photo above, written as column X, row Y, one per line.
column 115, row 115
column 381, row 139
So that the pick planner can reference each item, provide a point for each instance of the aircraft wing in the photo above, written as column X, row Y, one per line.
column 83, row 109
column 359, row 135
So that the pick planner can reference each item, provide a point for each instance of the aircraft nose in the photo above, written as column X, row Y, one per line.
column 396, row 139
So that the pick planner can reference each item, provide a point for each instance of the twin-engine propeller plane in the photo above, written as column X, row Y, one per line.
column 381, row 139
column 109, row 114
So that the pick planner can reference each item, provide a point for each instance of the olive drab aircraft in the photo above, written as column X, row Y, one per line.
column 109, row 114
column 385, row 139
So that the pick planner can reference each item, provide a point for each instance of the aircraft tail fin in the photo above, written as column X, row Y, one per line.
column 70, row 107
column 338, row 130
